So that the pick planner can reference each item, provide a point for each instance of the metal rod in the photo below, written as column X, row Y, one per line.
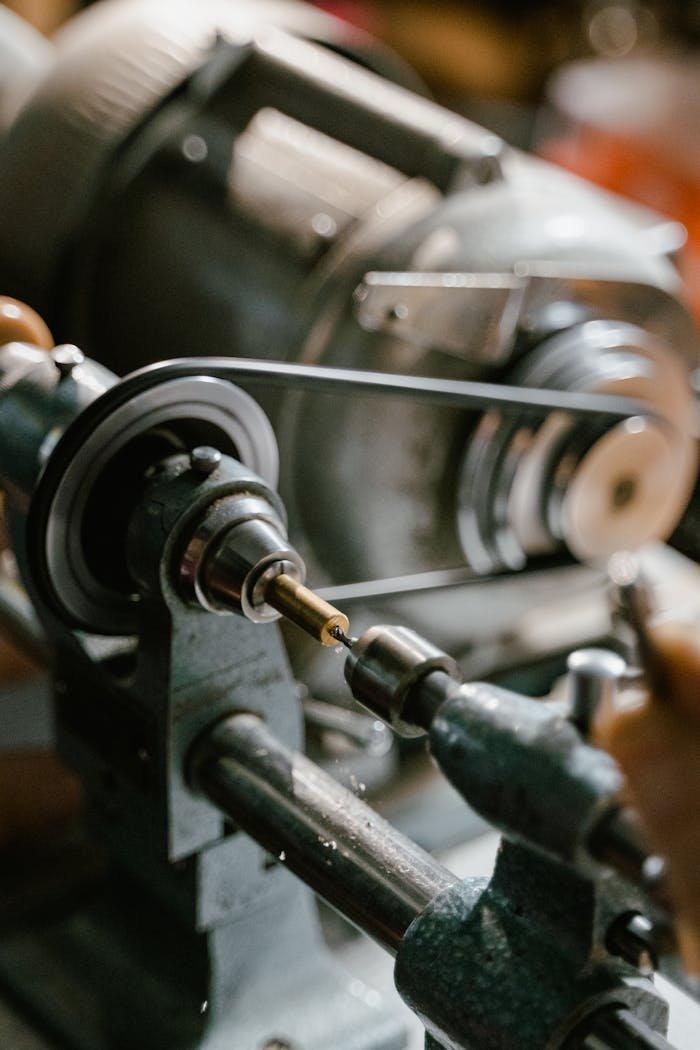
column 620, row 1030
column 446, row 392
column 339, row 846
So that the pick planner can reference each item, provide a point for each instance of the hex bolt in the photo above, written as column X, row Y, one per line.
column 66, row 357
column 204, row 460
column 593, row 675
column 632, row 938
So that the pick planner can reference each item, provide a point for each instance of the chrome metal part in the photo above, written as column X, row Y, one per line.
column 385, row 664
column 526, row 489
column 592, row 677
column 238, row 559
column 205, row 459
column 340, row 847
column 619, row 1030
column 303, row 186
column 450, row 961
column 471, row 315
column 236, row 550
column 66, row 357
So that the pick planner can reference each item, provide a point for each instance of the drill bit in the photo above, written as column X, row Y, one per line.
column 340, row 636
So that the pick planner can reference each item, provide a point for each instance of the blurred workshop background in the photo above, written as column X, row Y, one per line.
column 607, row 88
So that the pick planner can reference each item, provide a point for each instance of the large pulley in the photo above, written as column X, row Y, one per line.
column 531, row 488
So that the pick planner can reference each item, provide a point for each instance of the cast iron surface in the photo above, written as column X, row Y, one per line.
column 517, row 962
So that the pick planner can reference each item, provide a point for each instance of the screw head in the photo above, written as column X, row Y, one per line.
column 66, row 357
column 195, row 149
column 204, row 459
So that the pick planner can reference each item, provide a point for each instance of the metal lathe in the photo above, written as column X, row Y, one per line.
column 342, row 393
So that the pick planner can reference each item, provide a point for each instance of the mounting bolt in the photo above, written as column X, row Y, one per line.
column 632, row 938
column 66, row 357
column 204, row 460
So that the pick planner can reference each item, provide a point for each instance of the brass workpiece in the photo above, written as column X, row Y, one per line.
column 304, row 608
